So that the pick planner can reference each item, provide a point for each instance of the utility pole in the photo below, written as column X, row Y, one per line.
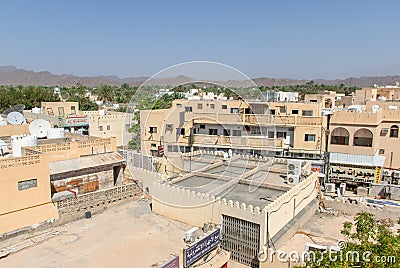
column 326, row 154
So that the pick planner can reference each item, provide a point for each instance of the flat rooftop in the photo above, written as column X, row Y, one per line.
column 250, row 181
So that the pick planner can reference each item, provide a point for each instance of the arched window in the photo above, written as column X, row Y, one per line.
column 394, row 131
column 340, row 136
column 363, row 137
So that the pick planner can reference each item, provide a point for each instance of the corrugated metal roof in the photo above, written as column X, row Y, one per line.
column 85, row 162
column 357, row 159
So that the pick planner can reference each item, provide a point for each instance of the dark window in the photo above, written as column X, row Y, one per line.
column 340, row 136
column 61, row 111
column 270, row 134
column 272, row 111
column 227, row 132
column 101, row 128
column 182, row 131
column 199, row 106
column 24, row 185
column 202, row 126
column 224, row 106
column 309, row 137
column 236, row 132
column 281, row 134
column 255, row 130
column 73, row 111
column 234, row 110
column 381, row 151
column 282, row 109
column 295, row 111
column 363, row 137
column 307, row 113
column 108, row 127
column 213, row 131
column 178, row 105
column 394, row 131
column 212, row 106
column 188, row 109
column 153, row 130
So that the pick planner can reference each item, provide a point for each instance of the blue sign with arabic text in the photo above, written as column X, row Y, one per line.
column 201, row 248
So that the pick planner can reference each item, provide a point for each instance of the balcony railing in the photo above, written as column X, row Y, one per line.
column 246, row 141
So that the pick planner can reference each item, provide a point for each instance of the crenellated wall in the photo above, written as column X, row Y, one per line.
column 73, row 149
column 287, row 206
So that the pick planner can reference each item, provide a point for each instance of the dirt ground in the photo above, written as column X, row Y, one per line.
column 128, row 235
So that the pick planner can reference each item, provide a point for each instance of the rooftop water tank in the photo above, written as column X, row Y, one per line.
column 55, row 133
column 19, row 141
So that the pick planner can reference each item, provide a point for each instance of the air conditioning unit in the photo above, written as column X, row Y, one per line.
column 396, row 174
column 294, row 167
column 329, row 187
column 293, row 179
column 387, row 173
column 192, row 235
column 385, row 130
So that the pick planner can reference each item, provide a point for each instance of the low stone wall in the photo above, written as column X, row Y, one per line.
column 382, row 212
column 74, row 208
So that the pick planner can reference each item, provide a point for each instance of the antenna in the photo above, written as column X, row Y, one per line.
column 15, row 118
column 39, row 128
column 15, row 108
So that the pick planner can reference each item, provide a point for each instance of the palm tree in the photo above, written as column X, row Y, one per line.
column 105, row 93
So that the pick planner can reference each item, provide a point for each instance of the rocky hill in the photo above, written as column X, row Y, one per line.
column 10, row 75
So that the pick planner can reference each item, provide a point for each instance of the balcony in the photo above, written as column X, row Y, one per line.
column 214, row 118
column 292, row 120
column 233, row 141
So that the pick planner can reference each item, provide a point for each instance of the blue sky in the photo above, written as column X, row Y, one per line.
column 295, row 39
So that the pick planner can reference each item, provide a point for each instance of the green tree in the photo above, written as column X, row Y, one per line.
column 372, row 241
column 105, row 93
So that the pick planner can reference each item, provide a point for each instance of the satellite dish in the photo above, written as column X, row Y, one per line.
column 16, row 108
column 15, row 118
column 39, row 128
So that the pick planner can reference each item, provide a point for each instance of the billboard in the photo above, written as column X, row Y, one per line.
column 74, row 121
column 197, row 250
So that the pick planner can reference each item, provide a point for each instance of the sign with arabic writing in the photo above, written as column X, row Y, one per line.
column 201, row 248
column 172, row 263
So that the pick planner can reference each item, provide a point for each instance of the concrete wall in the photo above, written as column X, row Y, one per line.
column 111, row 125
column 22, row 208
column 352, row 209
column 47, row 107
column 73, row 149
column 10, row 130
column 287, row 206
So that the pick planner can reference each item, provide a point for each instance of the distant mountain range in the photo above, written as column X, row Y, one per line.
column 10, row 75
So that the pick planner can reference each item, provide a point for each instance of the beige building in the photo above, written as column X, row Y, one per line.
column 60, row 108
column 281, row 129
column 111, row 124
column 389, row 93
column 25, row 192
column 221, row 192
column 368, row 133
column 49, row 167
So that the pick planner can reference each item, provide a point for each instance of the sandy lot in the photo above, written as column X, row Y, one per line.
column 128, row 235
